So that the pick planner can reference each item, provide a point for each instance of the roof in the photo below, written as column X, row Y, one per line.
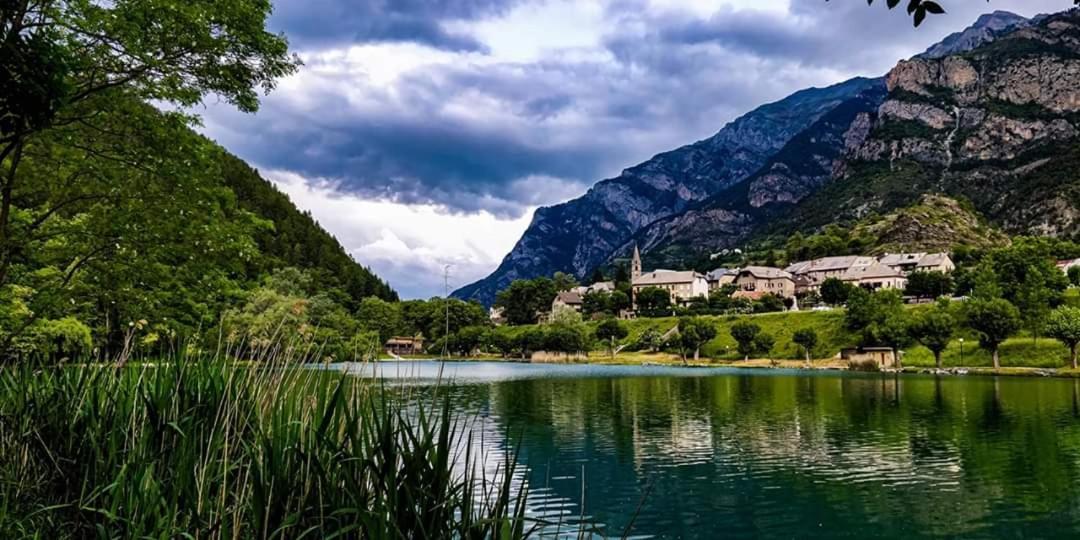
column 402, row 340
column 874, row 271
column 601, row 286
column 666, row 277
column 797, row 268
column 830, row 264
column 715, row 275
column 568, row 297
column 766, row 272
column 893, row 259
column 934, row 259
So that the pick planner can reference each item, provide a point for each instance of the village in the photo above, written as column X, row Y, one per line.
column 797, row 281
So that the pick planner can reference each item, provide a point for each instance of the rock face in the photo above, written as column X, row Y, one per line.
column 581, row 234
column 986, row 29
column 997, row 126
column 799, row 169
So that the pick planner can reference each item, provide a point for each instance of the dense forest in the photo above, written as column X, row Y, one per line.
column 122, row 230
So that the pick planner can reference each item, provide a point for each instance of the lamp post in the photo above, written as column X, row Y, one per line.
column 961, row 352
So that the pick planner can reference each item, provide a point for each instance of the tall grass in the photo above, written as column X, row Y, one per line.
column 208, row 449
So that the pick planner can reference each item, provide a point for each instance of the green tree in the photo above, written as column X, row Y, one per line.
column 470, row 339
column 618, row 302
column 807, row 339
column 995, row 320
column 769, row 303
column 596, row 303
column 564, row 281
column 380, row 316
column 531, row 340
column 525, row 298
column 835, row 292
column 934, row 330
column 745, row 333
column 651, row 339
column 695, row 332
column 610, row 331
column 1074, row 275
column 1064, row 326
column 597, row 276
column 502, row 339
column 929, row 285
column 75, row 66
column 764, row 343
column 894, row 331
column 865, row 310
column 654, row 302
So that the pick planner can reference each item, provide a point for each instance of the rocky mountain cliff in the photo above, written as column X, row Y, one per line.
column 995, row 125
column 750, row 178
column 998, row 126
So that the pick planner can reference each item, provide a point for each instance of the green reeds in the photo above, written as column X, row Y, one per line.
column 211, row 449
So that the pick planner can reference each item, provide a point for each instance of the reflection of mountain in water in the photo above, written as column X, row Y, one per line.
column 744, row 456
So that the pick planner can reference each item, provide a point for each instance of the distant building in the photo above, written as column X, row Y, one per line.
column 1065, row 265
column 874, row 277
column 757, row 281
column 720, row 277
column 818, row 270
column 496, row 316
column 399, row 345
column 567, row 300
column 682, row 286
column 907, row 263
column 598, row 287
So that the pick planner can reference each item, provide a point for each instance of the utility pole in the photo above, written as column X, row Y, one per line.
column 446, row 303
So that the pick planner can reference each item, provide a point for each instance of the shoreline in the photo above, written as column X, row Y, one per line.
column 798, row 365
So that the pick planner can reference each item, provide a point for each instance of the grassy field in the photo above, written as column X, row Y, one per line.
column 1020, row 351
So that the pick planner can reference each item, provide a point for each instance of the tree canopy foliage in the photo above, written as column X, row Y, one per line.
column 118, row 221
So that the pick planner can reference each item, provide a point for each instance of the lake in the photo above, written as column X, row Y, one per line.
column 725, row 453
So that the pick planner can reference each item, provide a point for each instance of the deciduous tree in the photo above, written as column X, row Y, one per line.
column 995, row 320
column 1064, row 326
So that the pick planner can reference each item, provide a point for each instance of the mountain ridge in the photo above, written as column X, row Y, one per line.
column 584, row 233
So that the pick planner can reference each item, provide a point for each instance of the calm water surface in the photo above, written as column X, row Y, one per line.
column 716, row 453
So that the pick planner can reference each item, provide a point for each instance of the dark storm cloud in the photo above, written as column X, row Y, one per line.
column 327, row 23
column 466, row 134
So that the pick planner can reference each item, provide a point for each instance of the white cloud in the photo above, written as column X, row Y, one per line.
column 407, row 245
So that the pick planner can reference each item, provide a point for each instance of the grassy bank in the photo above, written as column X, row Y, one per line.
column 1021, row 351
column 206, row 449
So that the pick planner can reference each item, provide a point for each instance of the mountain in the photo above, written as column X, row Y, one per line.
column 716, row 192
column 998, row 125
column 726, row 219
column 578, row 235
column 296, row 239
column 987, row 28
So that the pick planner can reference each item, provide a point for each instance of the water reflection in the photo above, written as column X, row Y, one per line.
column 740, row 454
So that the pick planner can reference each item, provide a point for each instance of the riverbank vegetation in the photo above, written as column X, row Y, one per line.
column 201, row 448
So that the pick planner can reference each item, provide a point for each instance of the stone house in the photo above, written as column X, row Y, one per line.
column 874, row 277
column 755, row 281
column 682, row 286
column 720, row 277
column 567, row 300
column 907, row 263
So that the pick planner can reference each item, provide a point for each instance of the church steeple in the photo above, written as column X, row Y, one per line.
column 635, row 264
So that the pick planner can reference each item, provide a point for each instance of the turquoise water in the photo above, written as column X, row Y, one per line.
column 721, row 453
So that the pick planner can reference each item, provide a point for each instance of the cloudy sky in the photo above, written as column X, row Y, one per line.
column 426, row 132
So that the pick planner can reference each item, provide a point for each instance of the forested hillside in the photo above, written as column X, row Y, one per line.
column 122, row 230
column 296, row 239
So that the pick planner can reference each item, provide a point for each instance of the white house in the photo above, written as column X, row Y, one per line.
column 682, row 286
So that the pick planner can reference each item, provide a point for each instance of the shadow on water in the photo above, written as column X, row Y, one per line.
column 728, row 453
